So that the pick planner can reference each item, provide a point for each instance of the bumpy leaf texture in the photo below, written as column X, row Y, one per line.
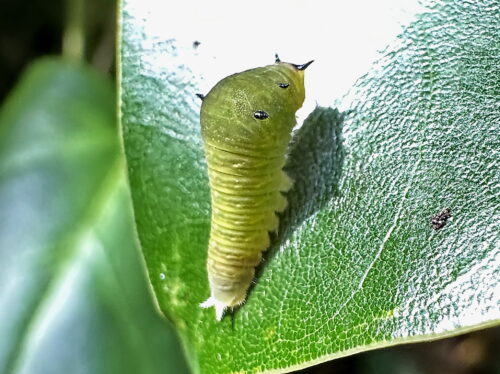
column 358, row 263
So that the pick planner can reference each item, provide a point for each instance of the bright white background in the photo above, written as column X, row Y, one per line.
column 343, row 37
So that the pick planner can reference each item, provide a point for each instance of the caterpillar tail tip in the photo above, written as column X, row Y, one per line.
column 219, row 306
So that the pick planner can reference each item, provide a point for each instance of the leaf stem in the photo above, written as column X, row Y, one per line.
column 73, row 42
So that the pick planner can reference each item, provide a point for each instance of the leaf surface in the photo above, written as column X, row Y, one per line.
column 358, row 264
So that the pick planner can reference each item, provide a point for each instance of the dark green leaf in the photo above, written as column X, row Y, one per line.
column 358, row 264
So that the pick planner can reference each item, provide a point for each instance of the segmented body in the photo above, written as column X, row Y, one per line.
column 246, row 135
column 246, row 188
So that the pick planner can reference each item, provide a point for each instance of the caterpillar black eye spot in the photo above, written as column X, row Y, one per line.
column 260, row 114
column 283, row 85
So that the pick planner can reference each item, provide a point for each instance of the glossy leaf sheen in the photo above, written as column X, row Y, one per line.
column 357, row 264
column 73, row 296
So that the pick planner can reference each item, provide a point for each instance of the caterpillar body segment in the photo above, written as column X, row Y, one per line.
column 246, row 124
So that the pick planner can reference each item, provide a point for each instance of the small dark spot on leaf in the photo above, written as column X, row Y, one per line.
column 260, row 114
column 439, row 220
column 283, row 85
column 196, row 44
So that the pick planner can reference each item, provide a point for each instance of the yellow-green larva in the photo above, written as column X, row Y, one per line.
column 246, row 125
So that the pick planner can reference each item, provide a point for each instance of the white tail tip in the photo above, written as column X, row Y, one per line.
column 220, row 307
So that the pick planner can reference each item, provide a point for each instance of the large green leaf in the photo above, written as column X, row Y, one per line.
column 73, row 296
column 358, row 264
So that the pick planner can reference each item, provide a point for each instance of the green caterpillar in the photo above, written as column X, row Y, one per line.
column 246, row 125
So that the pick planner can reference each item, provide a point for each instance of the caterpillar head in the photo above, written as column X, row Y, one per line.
column 256, row 105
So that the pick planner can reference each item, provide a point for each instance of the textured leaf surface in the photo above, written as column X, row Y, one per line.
column 73, row 295
column 357, row 264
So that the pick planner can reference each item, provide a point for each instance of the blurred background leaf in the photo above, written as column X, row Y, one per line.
column 73, row 292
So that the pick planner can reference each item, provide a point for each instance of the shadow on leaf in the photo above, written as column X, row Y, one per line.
column 315, row 164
